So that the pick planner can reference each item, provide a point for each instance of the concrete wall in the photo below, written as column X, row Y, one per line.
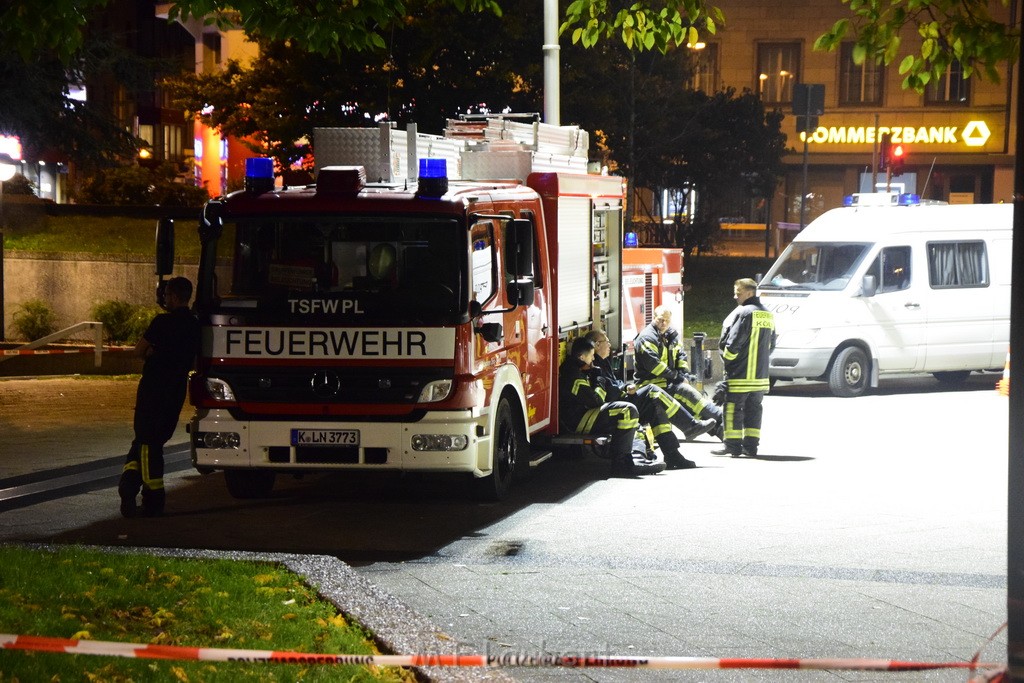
column 73, row 283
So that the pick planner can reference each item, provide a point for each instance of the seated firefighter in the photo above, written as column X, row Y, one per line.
column 661, row 361
column 582, row 409
column 655, row 406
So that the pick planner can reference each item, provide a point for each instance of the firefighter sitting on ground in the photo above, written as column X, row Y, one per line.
column 582, row 409
column 660, row 360
column 656, row 407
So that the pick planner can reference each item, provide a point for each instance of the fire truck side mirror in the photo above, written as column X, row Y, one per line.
column 520, row 292
column 519, row 248
column 165, row 246
column 519, row 261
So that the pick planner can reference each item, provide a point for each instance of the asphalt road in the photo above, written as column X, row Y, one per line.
column 868, row 527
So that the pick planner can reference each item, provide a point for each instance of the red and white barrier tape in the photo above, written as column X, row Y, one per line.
column 34, row 352
column 142, row 651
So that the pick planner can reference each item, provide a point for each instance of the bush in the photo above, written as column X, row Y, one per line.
column 133, row 185
column 20, row 185
column 33, row 320
column 123, row 322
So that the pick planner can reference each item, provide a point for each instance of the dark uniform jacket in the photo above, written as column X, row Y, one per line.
column 659, row 358
column 174, row 338
column 579, row 400
column 746, row 345
column 603, row 376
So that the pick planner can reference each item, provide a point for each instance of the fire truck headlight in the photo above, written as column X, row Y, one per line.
column 218, row 440
column 439, row 442
column 219, row 390
column 437, row 390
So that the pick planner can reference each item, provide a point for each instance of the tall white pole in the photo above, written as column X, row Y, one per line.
column 552, row 103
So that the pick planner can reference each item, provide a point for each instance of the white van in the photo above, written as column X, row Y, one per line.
column 868, row 290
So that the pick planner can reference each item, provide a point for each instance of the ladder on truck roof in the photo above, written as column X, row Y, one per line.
column 492, row 149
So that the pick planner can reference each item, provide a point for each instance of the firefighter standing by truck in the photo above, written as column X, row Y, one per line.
column 660, row 360
column 169, row 346
column 748, row 337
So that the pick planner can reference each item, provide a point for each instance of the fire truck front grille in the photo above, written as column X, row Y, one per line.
column 341, row 385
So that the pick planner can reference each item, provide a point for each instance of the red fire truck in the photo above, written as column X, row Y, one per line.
column 384, row 319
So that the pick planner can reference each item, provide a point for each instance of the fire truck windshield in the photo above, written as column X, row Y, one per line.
column 365, row 269
column 815, row 266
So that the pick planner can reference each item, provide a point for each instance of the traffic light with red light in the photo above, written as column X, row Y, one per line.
column 897, row 155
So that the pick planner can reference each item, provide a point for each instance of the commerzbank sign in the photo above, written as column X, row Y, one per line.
column 974, row 135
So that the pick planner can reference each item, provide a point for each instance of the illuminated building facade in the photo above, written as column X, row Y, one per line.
column 957, row 136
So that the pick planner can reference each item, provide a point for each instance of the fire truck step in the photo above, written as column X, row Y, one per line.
column 537, row 457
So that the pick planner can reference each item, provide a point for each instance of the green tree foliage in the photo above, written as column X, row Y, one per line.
column 133, row 185
column 436, row 67
column 662, row 135
column 963, row 30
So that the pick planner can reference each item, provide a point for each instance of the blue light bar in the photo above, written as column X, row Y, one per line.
column 259, row 167
column 882, row 199
column 259, row 174
column 433, row 168
column 433, row 180
column 631, row 240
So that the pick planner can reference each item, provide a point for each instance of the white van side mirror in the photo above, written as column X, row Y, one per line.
column 869, row 286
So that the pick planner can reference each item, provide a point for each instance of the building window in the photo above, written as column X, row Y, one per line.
column 172, row 143
column 211, row 52
column 778, row 68
column 705, row 67
column 858, row 83
column 950, row 88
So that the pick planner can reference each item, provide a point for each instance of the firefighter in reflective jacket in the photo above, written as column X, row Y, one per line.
column 660, row 360
column 582, row 409
column 748, row 337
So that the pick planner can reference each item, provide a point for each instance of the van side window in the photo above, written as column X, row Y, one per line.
column 957, row 264
column 892, row 269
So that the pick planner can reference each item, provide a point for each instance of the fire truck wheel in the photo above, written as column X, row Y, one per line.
column 247, row 484
column 509, row 451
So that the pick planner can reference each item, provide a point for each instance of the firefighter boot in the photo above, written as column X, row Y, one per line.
column 674, row 460
column 128, row 489
column 698, row 427
column 152, row 502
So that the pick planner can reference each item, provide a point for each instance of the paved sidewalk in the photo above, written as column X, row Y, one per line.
column 824, row 547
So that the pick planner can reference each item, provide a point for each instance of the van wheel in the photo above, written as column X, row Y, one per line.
column 952, row 378
column 508, row 450
column 246, row 484
column 848, row 376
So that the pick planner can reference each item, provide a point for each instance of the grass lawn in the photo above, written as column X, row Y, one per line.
column 709, row 298
column 99, row 235
column 86, row 594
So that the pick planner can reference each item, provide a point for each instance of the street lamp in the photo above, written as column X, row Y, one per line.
column 8, row 166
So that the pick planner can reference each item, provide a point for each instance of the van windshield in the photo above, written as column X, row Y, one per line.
column 819, row 266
